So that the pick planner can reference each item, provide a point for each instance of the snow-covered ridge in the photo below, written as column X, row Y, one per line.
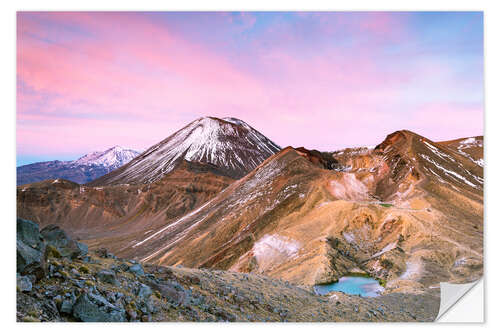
column 111, row 158
column 235, row 121
column 82, row 170
column 468, row 143
column 454, row 174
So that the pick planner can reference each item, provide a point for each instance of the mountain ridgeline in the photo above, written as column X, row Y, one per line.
column 81, row 170
column 218, row 194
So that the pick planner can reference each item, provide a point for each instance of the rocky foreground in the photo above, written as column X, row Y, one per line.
column 59, row 280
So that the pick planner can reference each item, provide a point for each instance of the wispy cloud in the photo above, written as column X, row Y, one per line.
column 322, row 80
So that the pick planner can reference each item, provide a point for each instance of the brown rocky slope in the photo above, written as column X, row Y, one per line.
column 114, row 215
column 62, row 282
column 408, row 212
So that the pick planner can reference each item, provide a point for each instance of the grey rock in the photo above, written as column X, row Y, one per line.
column 196, row 300
column 84, row 249
column 67, row 306
column 147, row 307
column 29, row 260
column 136, row 269
column 32, row 278
column 78, row 283
column 144, row 291
column 24, row 283
column 28, row 232
column 55, row 236
column 107, row 276
column 68, row 247
column 90, row 307
column 29, row 249
column 132, row 314
column 123, row 267
column 110, row 296
column 168, row 291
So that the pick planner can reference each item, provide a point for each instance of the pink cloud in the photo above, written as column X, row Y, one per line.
column 96, row 71
column 92, row 80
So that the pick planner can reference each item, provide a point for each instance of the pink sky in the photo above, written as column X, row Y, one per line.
column 89, row 81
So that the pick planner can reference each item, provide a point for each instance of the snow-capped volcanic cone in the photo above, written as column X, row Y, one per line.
column 82, row 170
column 229, row 144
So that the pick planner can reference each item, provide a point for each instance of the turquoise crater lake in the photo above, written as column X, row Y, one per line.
column 353, row 285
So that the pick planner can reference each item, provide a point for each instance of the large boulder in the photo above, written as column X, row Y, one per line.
column 84, row 249
column 26, row 256
column 144, row 292
column 29, row 261
column 28, row 233
column 58, row 238
column 107, row 276
column 29, row 249
column 66, row 306
column 174, row 293
column 136, row 269
column 90, row 307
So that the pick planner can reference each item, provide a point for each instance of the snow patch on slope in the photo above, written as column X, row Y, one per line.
column 436, row 151
column 449, row 172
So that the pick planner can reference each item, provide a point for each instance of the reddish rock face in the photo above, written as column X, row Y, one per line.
column 322, row 160
column 391, row 139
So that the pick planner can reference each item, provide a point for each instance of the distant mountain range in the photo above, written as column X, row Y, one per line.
column 82, row 170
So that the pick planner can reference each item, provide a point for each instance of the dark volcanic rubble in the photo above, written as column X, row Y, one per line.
column 65, row 283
